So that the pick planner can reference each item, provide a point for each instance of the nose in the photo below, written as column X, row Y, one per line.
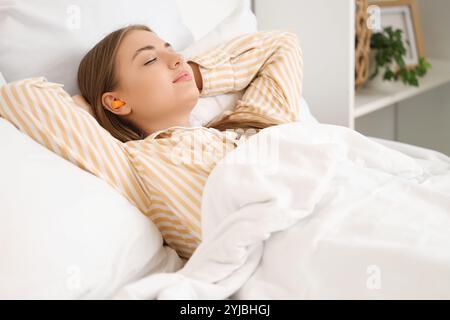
column 176, row 59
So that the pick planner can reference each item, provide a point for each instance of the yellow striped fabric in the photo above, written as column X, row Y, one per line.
column 164, row 174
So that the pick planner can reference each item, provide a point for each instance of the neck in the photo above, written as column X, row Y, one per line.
column 149, row 128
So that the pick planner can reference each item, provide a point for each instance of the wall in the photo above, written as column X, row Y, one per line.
column 425, row 120
column 326, row 32
column 380, row 124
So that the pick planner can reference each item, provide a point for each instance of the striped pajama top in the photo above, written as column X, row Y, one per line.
column 153, row 173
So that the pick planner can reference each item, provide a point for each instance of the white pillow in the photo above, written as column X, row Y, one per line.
column 305, row 114
column 49, row 38
column 66, row 234
column 241, row 21
column 2, row 80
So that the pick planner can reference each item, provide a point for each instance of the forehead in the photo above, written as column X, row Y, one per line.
column 136, row 39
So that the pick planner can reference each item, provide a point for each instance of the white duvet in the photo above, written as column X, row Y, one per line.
column 325, row 213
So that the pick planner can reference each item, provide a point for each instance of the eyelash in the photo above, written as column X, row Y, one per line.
column 148, row 62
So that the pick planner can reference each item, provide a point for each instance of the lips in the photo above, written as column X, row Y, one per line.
column 180, row 75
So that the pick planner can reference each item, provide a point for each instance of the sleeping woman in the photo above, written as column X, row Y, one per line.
column 142, row 92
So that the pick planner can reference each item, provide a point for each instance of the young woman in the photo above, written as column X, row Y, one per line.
column 141, row 92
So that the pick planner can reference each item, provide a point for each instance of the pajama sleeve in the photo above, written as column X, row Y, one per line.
column 47, row 114
column 268, row 65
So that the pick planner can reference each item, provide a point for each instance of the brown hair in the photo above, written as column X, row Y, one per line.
column 96, row 75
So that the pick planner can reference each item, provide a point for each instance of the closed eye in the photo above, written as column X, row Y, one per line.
column 148, row 62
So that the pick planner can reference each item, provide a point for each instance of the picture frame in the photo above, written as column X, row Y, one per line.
column 404, row 15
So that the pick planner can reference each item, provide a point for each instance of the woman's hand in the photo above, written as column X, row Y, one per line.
column 82, row 103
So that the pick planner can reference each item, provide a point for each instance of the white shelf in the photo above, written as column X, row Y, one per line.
column 378, row 94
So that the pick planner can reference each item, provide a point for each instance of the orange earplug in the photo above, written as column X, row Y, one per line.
column 117, row 104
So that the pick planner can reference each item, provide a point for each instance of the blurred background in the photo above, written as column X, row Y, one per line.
column 337, row 37
column 329, row 31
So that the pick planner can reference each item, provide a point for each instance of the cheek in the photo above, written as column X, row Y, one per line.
column 154, row 81
column 153, row 85
column 152, row 94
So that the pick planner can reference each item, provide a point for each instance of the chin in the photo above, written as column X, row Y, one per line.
column 190, row 103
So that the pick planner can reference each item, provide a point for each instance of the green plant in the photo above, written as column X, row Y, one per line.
column 390, row 48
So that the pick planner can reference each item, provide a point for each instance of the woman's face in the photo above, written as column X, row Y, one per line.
column 145, row 82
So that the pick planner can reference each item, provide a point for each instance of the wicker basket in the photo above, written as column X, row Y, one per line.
column 362, row 43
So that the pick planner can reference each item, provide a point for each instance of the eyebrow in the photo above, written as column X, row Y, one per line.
column 149, row 47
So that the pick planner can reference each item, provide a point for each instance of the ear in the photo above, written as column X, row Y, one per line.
column 108, row 98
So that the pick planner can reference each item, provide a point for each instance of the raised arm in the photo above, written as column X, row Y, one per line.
column 267, row 64
column 46, row 113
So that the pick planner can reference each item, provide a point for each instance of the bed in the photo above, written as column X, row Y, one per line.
column 340, row 216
